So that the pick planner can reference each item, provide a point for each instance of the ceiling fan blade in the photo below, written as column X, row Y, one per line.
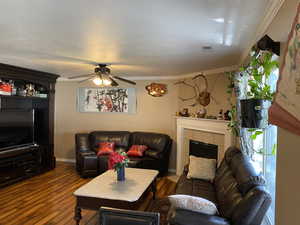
column 114, row 83
column 124, row 80
column 91, row 78
column 79, row 76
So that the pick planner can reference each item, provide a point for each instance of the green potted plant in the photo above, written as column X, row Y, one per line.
column 259, row 95
column 233, row 124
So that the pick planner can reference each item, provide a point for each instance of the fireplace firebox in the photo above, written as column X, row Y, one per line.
column 204, row 150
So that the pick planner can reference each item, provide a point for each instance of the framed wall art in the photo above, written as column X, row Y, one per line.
column 106, row 100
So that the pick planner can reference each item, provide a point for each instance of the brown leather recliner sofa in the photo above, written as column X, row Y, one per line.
column 237, row 190
column 88, row 164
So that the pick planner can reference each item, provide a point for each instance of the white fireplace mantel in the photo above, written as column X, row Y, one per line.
column 205, row 125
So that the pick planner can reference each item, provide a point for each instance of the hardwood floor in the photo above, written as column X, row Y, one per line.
column 47, row 198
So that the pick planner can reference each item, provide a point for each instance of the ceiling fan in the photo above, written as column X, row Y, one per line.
column 103, row 77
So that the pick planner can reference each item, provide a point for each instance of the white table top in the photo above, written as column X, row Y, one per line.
column 106, row 186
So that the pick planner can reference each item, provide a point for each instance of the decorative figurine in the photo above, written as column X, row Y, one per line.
column 30, row 91
column 226, row 115
column 220, row 115
column 201, row 113
column 184, row 112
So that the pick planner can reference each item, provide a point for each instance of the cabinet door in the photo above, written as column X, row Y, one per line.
column 15, row 103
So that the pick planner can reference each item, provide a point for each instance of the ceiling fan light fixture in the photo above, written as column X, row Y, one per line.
column 100, row 81
column 106, row 82
column 97, row 81
column 102, row 77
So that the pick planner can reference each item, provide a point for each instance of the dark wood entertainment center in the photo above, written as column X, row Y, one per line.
column 26, row 161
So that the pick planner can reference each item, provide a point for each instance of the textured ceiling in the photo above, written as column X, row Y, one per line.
column 139, row 37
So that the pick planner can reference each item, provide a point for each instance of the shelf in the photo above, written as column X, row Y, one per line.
column 22, row 97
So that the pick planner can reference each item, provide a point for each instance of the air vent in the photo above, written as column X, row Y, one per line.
column 206, row 47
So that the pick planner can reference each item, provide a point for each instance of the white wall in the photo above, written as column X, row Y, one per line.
column 153, row 114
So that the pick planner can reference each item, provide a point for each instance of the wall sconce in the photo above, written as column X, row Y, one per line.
column 156, row 90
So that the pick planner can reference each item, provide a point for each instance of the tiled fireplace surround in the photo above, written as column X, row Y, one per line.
column 205, row 130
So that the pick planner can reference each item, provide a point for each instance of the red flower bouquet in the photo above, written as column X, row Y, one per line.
column 117, row 160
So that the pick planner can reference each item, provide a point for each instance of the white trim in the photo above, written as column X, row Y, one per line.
column 65, row 160
column 271, row 11
column 178, row 77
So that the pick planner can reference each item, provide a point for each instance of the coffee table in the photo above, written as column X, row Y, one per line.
column 105, row 190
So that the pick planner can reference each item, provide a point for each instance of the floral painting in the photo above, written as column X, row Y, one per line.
column 106, row 100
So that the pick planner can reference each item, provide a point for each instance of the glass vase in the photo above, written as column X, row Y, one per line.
column 121, row 173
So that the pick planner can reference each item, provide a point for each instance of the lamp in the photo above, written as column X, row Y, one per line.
column 100, row 81
column 156, row 90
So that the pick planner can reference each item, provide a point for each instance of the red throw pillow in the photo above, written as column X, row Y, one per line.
column 105, row 148
column 137, row 150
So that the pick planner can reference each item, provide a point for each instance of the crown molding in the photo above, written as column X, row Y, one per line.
column 271, row 12
column 178, row 77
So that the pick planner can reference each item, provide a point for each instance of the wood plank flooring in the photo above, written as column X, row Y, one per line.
column 47, row 199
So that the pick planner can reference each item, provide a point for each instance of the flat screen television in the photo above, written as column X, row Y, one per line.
column 16, row 129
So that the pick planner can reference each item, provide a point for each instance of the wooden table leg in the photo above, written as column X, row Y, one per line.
column 153, row 188
column 77, row 216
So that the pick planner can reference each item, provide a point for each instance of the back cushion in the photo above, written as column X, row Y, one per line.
column 235, row 177
column 227, row 192
column 82, row 142
column 244, row 173
column 154, row 141
column 120, row 138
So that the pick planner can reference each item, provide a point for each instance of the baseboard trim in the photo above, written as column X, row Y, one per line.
column 65, row 160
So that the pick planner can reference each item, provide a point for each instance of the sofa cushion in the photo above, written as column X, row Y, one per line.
column 137, row 150
column 196, row 187
column 230, row 153
column 193, row 203
column 235, row 177
column 154, row 141
column 120, row 138
column 202, row 168
column 227, row 193
column 153, row 154
column 105, row 148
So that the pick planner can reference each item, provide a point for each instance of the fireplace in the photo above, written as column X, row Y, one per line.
column 207, row 131
column 204, row 150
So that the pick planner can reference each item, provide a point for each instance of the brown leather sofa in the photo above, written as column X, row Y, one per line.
column 238, row 192
column 156, row 157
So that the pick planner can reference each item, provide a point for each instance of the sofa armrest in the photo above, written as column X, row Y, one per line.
column 87, row 163
column 184, row 217
column 110, row 216
column 153, row 154
column 82, row 143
